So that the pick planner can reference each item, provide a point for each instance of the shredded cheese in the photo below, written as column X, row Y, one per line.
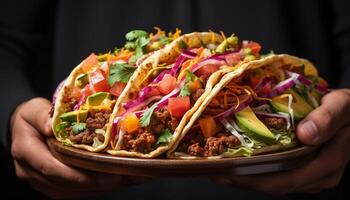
column 154, row 69
column 290, row 109
column 212, row 36
column 176, row 34
column 223, row 35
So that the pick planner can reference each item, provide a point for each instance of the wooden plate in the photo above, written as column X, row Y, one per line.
column 104, row 162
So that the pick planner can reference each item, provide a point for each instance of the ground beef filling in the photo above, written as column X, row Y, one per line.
column 143, row 140
column 69, row 101
column 212, row 146
column 95, row 120
column 276, row 123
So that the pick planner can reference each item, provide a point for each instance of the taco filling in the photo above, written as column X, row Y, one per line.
column 149, row 120
column 88, row 104
column 257, row 109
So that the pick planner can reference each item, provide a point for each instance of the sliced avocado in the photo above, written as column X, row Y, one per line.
column 253, row 127
column 300, row 107
column 73, row 115
column 82, row 80
column 97, row 98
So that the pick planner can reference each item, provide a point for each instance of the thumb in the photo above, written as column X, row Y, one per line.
column 36, row 113
column 325, row 121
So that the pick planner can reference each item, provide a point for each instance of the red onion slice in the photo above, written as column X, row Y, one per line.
column 284, row 85
column 58, row 89
column 233, row 110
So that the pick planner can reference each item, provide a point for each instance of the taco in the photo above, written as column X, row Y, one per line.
column 161, row 96
column 85, row 100
column 252, row 110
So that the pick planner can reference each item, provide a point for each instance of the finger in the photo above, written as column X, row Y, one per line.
column 35, row 152
column 36, row 113
column 332, row 158
column 332, row 115
column 30, row 147
column 26, row 173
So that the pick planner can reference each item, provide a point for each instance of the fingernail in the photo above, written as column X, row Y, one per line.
column 310, row 130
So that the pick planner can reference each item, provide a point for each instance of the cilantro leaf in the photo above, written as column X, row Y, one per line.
column 130, row 45
column 164, row 40
column 185, row 91
column 135, row 34
column 61, row 129
column 116, row 50
column 190, row 76
column 142, row 41
column 146, row 116
column 120, row 72
column 78, row 127
column 165, row 137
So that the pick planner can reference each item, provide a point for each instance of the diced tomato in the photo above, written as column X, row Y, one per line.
column 207, row 70
column 208, row 126
column 266, row 89
column 105, row 68
column 254, row 46
column 154, row 92
column 233, row 58
column 117, row 88
column 178, row 106
column 167, row 84
column 98, row 81
column 76, row 93
column 195, row 85
column 89, row 62
column 130, row 123
column 254, row 81
column 86, row 91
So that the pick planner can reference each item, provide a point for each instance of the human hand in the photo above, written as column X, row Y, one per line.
column 329, row 125
column 30, row 125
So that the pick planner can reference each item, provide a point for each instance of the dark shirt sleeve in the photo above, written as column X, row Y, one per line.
column 341, row 39
column 21, row 35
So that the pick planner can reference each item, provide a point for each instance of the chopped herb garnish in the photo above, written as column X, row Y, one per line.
column 135, row 34
column 146, row 116
column 190, row 76
column 165, row 137
column 185, row 91
column 164, row 40
column 78, row 127
column 137, row 41
column 61, row 129
column 120, row 72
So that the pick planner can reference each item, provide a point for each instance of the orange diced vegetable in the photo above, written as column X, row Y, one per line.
column 208, row 126
column 130, row 123
column 89, row 62
column 195, row 85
